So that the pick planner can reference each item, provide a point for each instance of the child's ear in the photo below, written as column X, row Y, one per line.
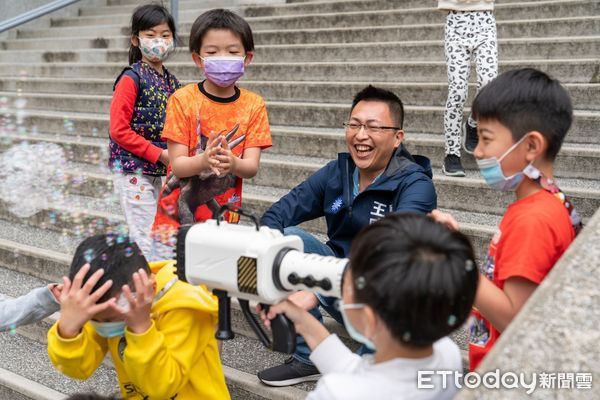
column 197, row 60
column 248, row 59
column 135, row 41
column 536, row 146
column 370, row 327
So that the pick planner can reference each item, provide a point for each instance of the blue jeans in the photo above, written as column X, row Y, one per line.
column 313, row 245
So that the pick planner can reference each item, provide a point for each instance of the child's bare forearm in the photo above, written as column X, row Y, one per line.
column 501, row 306
column 184, row 167
column 245, row 169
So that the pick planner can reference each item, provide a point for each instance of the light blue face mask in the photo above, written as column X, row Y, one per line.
column 109, row 329
column 491, row 170
column 354, row 334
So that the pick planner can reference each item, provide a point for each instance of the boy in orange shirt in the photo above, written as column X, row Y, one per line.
column 523, row 117
column 215, row 131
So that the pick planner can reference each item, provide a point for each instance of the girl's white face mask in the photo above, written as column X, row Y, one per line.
column 156, row 49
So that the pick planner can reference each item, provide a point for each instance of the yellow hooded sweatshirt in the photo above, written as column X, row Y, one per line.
column 176, row 358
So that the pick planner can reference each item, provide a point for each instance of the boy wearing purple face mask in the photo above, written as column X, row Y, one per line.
column 215, row 131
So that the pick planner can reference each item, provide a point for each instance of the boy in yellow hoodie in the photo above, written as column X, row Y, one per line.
column 158, row 330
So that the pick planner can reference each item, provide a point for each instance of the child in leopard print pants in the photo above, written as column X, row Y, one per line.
column 470, row 33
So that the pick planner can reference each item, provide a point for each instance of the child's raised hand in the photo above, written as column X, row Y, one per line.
column 226, row 158
column 213, row 146
column 137, row 315
column 78, row 302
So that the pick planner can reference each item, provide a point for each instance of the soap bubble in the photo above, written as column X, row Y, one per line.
column 104, row 257
column 452, row 320
column 12, row 329
column 128, row 252
column 89, row 255
column 31, row 177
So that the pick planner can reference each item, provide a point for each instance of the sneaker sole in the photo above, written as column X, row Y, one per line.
column 290, row 382
column 460, row 174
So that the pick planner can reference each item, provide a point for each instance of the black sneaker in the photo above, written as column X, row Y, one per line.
column 289, row 373
column 452, row 166
column 470, row 138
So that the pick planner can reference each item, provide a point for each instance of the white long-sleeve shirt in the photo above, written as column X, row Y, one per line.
column 32, row 307
column 348, row 376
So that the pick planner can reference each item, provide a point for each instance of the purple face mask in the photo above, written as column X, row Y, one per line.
column 223, row 71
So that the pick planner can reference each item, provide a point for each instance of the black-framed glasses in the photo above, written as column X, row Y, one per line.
column 354, row 127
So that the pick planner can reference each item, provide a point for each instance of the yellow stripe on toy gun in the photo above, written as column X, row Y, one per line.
column 247, row 275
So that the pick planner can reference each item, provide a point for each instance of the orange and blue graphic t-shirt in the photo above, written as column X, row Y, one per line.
column 192, row 116
column 533, row 234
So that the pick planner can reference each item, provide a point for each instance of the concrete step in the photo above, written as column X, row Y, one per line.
column 16, row 387
column 253, row 10
column 81, row 111
column 28, row 359
column 584, row 96
column 116, row 36
column 430, row 50
column 567, row 70
column 574, row 161
column 542, row 9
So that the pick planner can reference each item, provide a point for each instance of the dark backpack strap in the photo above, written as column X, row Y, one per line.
column 128, row 71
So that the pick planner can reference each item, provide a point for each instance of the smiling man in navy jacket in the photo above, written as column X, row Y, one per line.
column 376, row 177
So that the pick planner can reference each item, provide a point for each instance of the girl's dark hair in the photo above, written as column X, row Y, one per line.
column 119, row 258
column 419, row 276
column 147, row 17
column 220, row 19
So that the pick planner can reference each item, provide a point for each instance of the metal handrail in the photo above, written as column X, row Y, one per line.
column 57, row 5
column 34, row 14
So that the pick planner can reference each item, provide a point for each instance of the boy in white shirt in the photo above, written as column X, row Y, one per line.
column 410, row 282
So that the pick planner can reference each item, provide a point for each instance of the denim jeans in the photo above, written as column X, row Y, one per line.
column 313, row 245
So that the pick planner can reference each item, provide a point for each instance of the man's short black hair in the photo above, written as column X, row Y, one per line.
column 372, row 93
column 119, row 258
column 526, row 100
column 419, row 276
column 220, row 19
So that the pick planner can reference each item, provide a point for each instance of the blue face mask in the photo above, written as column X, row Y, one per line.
column 491, row 170
column 354, row 334
column 109, row 329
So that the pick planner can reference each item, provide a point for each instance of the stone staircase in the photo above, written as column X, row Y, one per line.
column 311, row 58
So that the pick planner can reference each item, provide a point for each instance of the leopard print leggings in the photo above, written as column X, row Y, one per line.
column 468, row 34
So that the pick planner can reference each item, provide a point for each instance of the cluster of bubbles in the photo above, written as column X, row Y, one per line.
column 33, row 177
column 63, row 178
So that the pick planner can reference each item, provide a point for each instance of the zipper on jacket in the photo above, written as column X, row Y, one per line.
column 348, row 195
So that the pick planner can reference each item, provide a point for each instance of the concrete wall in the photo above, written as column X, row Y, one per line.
column 12, row 8
column 558, row 330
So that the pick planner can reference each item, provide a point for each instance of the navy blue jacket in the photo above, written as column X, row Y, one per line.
column 405, row 185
